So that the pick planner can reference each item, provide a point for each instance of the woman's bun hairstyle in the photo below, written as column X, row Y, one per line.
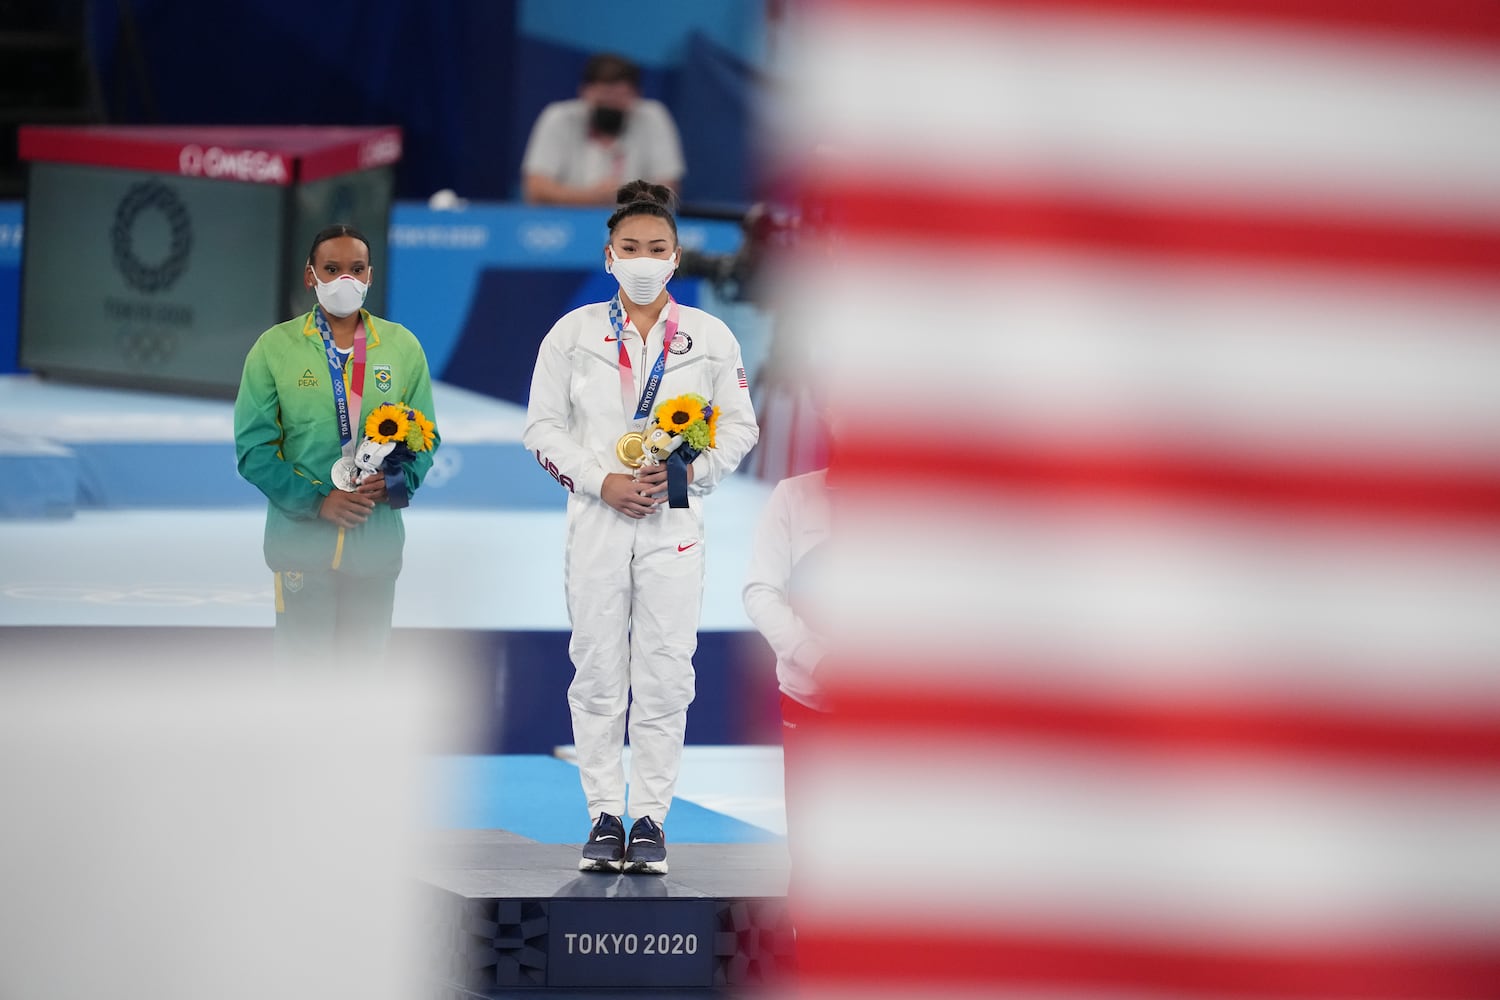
column 646, row 191
column 644, row 198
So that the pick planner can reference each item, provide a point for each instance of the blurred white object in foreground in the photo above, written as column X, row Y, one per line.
column 178, row 826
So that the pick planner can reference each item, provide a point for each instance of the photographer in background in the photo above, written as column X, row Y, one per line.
column 786, row 367
column 582, row 150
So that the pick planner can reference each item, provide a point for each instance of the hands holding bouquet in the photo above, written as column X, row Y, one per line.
column 394, row 435
column 684, row 429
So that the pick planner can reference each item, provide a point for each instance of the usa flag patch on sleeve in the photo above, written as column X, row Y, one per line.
column 744, row 382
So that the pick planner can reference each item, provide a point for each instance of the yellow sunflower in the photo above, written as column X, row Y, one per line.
column 421, row 433
column 386, row 423
column 713, row 427
column 678, row 412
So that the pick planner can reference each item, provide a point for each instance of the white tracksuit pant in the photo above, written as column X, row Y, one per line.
column 641, row 579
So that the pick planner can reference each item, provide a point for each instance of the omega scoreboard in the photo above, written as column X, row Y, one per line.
column 154, row 257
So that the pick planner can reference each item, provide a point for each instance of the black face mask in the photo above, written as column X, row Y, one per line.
column 607, row 121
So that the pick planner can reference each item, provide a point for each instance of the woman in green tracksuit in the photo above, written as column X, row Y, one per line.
column 333, row 542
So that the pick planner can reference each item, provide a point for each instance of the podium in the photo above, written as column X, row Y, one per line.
column 154, row 256
column 505, row 916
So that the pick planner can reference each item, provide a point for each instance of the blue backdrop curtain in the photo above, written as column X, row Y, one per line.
column 461, row 79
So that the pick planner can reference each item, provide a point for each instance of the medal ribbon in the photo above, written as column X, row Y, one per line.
column 642, row 407
column 344, row 404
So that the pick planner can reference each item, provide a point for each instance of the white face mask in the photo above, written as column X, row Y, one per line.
column 641, row 278
column 342, row 296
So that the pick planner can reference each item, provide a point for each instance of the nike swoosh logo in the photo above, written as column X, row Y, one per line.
column 684, row 548
column 610, row 340
column 643, row 840
column 609, row 836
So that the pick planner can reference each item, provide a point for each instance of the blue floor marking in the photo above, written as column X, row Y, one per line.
column 539, row 797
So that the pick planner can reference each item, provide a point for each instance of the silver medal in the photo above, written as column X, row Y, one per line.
column 345, row 474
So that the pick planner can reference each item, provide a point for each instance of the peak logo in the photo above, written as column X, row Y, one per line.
column 255, row 165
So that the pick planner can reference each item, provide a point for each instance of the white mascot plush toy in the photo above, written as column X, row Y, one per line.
column 370, row 456
column 660, row 443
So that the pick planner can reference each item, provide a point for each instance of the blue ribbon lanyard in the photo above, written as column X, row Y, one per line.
column 341, row 400
column 642, row 407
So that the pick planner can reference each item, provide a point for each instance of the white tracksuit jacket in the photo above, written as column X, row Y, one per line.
column 782, row 580
column 634, row 587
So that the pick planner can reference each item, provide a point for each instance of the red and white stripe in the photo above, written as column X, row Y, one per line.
column 1168, row 444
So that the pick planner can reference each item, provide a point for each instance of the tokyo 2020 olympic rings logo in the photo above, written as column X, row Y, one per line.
column 142, row 275
column 146, row 348
column 447, row 463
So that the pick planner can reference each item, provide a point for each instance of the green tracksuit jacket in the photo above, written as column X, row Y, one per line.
column 286, row 439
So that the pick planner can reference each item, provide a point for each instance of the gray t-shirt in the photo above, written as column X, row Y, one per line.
column 560, row 146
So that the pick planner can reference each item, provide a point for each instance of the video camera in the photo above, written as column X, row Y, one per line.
column 735, row 276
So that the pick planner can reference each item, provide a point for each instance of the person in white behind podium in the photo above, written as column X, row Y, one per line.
column 782, row 595
column 606, row 375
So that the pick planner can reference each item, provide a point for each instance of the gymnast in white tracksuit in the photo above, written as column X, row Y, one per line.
column 634, row 564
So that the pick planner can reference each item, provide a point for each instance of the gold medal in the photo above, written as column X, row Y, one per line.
column 631, row 449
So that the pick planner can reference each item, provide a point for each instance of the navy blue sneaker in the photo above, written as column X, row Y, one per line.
column 647, row 851
column 605, row 849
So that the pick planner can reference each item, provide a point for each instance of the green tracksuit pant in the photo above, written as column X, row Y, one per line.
column 330, row 617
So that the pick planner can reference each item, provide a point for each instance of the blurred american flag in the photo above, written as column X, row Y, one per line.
column 1167, row 407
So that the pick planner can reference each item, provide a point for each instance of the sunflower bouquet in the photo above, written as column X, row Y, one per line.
column 394, row 435
column 400, row 423
column 686, row 427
